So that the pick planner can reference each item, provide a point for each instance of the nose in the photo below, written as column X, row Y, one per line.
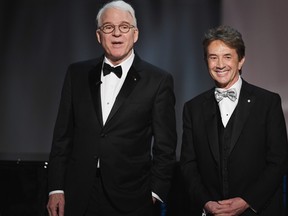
column 220, row 63
column 116, row 31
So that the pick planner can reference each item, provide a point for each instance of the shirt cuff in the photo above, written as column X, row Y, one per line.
column 56, row 191
column 157, row 197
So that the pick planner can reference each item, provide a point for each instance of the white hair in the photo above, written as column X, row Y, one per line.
column 118, row 4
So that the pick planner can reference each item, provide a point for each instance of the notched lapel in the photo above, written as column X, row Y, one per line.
column 129, row 84
column 95, row 82
column 210, row 116
column 243, row 109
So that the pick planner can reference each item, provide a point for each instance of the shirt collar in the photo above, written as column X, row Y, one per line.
column 126, row 64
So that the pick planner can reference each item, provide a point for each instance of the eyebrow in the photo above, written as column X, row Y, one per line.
column 212, row 54
column 209, row 55
column 110, row 23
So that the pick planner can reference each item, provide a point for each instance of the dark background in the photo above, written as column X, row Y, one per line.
column 40, row 38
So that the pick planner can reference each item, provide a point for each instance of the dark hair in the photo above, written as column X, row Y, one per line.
column 231, row 37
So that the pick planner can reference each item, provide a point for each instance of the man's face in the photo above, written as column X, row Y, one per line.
column 223, row 64
column 117, row 45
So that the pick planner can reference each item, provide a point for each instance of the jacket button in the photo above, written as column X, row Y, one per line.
column 102, row 134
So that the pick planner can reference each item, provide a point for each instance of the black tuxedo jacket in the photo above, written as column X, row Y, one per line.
column 143, row 112
column 258, row 150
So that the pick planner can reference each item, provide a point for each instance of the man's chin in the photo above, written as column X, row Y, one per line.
column 117, row 59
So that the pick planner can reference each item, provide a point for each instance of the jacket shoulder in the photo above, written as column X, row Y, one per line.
column 259, row 91
column 143, row 66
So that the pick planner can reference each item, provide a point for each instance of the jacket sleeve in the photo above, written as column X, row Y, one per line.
column 165, row 138
column 62, row 138
column 188, row 162
column 260, row 191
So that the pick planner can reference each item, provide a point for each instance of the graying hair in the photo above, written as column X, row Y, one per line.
column 230, row 36
column 118, row 4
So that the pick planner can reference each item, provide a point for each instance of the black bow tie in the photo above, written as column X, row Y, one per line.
column 231, row 94
column 108, row 69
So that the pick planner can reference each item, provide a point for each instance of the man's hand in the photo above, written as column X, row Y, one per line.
column 229, row 207
column 214, row 207
column 56, row 204
column 236, row 206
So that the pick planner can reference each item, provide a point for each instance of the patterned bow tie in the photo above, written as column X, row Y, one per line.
column 107, row 69
column 231, row 94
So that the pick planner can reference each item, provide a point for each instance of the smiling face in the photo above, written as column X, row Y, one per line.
column 223, row 64
column 117, row 45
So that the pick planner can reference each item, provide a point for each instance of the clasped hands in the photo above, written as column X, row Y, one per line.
column 229, row 207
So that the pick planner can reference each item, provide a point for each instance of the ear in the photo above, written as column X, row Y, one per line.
column 98, row 36
column 136, row 35
column 241, row 63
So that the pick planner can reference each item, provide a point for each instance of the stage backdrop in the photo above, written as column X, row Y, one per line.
column 263, row 25
column 40, row 38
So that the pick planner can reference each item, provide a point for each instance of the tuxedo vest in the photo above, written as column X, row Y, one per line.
column 225, row 135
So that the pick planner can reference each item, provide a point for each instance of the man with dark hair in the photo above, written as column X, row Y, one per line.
column 234, row 146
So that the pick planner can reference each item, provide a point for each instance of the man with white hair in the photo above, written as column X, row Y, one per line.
column 113, row 111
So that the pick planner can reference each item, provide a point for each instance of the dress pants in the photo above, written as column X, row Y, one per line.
column 100, row 205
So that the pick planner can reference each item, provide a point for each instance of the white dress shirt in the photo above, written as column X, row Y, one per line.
column 227, row 106
column 111, row 85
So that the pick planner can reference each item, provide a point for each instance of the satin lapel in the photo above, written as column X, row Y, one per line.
column 130, row 82
column 95, row 82
column 244, row 106
column 210, row 116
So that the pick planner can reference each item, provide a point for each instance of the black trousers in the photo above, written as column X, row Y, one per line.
column 100, row 205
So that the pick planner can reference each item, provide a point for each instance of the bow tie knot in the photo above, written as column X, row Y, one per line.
column 230, row 93
column 107, row 69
